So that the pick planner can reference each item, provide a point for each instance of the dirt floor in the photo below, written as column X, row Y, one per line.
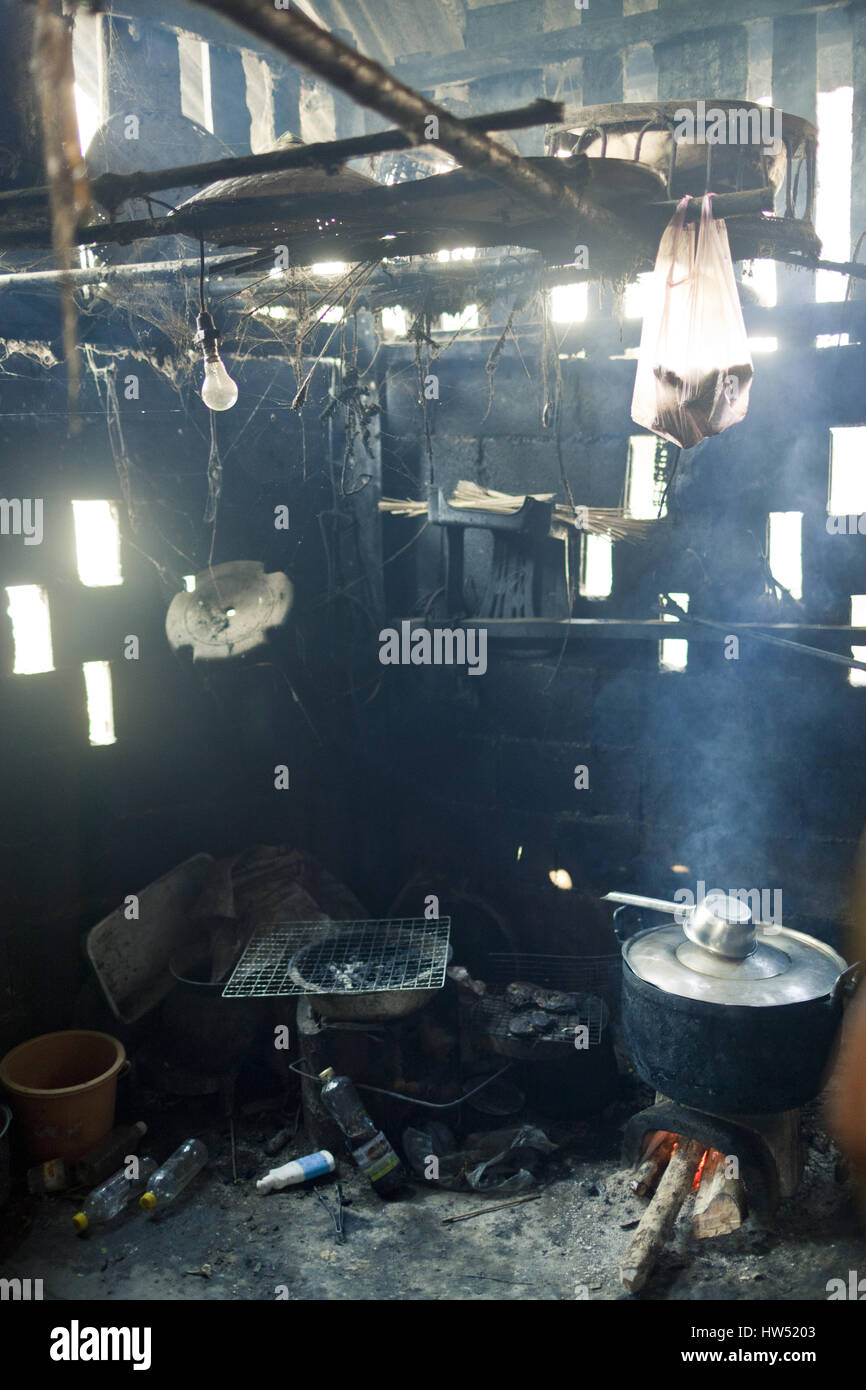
column 562, row 1246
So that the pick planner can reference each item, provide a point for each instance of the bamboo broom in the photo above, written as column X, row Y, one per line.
column 598, row 521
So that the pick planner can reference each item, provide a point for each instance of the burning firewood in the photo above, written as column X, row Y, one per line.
column 645, row 1179
column 720, row 1205
column 658, row 1220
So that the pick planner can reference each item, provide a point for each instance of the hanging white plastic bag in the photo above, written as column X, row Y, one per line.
column 694, row 370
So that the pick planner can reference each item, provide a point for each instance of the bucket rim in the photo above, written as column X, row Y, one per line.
column 16, row 1089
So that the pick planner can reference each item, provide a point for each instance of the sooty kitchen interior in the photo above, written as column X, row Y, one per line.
column 432, row 650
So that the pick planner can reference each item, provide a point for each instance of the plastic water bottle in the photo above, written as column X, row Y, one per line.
column 107, row 1200
column 178, row 1170
column 368, row 1145
column 98, row 1162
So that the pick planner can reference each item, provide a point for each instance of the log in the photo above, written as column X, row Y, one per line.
column 657, row 1153
column 720, row 1206
column 657, row 1222
column 112, row 189
column 679, row 19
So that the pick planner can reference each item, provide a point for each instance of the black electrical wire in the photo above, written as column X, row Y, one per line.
column 669, row 482
column 736, row 629
column 410, row 1100
column 201, row 273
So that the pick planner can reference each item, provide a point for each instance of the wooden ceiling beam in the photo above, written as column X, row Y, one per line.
column 112, row 189
column 372, row 86
column 594, row 36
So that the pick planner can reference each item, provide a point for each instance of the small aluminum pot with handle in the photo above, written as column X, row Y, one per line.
column 726, row 1015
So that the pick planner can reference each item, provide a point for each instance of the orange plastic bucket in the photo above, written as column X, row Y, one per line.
column 63, row 1088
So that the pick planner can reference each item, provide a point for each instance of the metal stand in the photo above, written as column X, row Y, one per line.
column 767, row 1146
column 516, row 580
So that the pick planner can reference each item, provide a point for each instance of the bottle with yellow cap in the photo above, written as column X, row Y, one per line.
column 178, row 1170
column 109, row 1199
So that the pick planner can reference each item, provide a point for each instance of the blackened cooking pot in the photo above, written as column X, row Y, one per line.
column 737, row 1027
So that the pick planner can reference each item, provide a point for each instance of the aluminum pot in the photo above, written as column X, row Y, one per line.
column 734, row 1023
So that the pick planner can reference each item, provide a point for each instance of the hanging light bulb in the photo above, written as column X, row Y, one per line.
column 218, row 390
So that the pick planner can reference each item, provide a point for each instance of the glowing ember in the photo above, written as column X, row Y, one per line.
column 700, row 1169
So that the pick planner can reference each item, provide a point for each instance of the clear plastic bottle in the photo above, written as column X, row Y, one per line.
column 175, row 1173
column 112, row 1196
column 368, row 1145
column 105, row 1158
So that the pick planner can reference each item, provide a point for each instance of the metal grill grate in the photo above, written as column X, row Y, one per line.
column 405, row 953
column 601, row 975
column 595, row 980
column 592, row 1013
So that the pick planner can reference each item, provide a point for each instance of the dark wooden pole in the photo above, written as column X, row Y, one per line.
column 112, row 189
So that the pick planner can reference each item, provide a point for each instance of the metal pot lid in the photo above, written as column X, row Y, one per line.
column 786, row 967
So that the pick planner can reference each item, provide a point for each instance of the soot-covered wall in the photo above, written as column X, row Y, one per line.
column 746, row 771
column 193, row 765
column 406, row 780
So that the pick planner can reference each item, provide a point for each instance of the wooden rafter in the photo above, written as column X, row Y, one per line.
column 595, row 36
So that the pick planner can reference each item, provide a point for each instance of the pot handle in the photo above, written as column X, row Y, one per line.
column 846, row 984
column 636, row 900
column 626, row 921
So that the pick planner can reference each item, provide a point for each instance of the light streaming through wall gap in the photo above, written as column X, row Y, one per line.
column 635, row 296
column 97, row 543
column 100, row 702
column 858, row 619
column 785, row 550
column 30, row 617
column 674, row 651
column 87, row 116
column 847, row 491
column 596, row 566
column 763, row 344
column 833, row 197
column 644, row 487
column 467, row 318
column 395, row 323
column 568, row 303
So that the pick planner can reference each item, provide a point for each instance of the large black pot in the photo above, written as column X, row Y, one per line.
column 731, row 1058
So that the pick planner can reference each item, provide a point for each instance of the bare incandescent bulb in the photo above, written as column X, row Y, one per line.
column 218, row 390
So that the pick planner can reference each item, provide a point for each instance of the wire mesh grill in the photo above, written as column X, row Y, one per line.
column 600, row 975
column 497, row 1013
column 405, row 953
column 595, row 980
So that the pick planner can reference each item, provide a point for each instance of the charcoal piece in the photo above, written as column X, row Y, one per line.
column 530, row 1025
column 521, row 993
column 555, row 1001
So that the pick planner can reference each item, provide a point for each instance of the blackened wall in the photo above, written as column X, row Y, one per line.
column 747, row 771
column 194, row 764
column 410, row 781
